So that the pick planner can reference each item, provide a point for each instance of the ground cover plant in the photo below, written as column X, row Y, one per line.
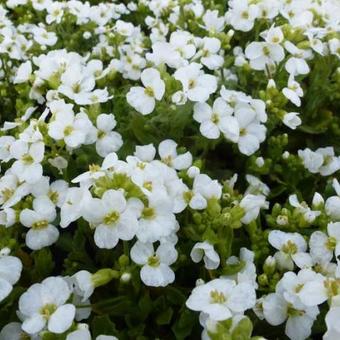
column 169, row 169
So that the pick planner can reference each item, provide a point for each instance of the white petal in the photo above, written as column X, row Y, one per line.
column 209, row 129
column 34, row 324
column 105, row 237
column 10, row 269
column 5, row 288
column 299, row 327
column 159, row 276
column 140, row 252
column 37, row 239
column 61, row 320
column 274, row 309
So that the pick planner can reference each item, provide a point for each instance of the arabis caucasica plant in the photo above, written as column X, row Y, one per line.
column 169, row 169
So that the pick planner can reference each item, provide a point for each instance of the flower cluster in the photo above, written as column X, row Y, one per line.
column 169, row 169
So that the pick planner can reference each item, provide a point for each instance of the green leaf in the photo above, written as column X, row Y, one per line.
column 43, row 264
column 184, row 324
column 102, row 325
column 164, row 318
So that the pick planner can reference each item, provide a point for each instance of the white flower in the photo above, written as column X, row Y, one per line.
column 292, row 120
column 157, row 219
column 323, row 246
column 302, row 289
column 206, row 187
column 309, row 215
column 252, row 133
column 13, row 331
column 41, row 233
column 209, row 53
column 293, row 92
column 331, row 163
column 43, row 37
column 251, row 205
column 216, row 119
column 84, row 285
column 108, row 141
column 44, row 305
column 289, row 246
column 332, row 322
column 196, row 84
column 143, row 99
column 113, row 217
column 23, row 73
column 299, row 324
column 332, row 205
column 67, row 126
column 11, row 191
column 73, row 206
column 241, row 15
column 263, row 54
column 156, row 271
column 248, row 272
column 27, row 167
column 10, row 271
column 206, row 251
column 76, row 82
column 256, row 186
column 222, row 298
column 167, row 152
column 212, row 21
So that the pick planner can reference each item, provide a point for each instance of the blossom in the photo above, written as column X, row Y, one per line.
column 44, row 305
column 299, row 321
column 197, row 85
column 112, row 217
column 10, row 271
column 289, row 246
column 169, row 156
column 221, row 298
column 156, row 271
column 216, row 119
column 262, row 54
column 323, row 246
column 206, row 251
column 143, row 99
column 108, row 141
column 28, row 166
column 242, row 15
column 41, row 233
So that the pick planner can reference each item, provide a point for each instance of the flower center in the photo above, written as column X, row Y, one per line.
column 243, row 132
column 290, row 248
column 266, row 50
column 291, row 311
column 215, row 118
column 27, row 159
column 167, row 160
column 68, row 130
column 217, row 297
column 153, row 261
column 192, row 84
column 111, row 217
column 148, row 213
column 53, row 195
column 47, row 310
column 245, row 15
column 40, row 225
column 76, row 88
column 7, row 194
column 149, row 91
column 188, row 195
column 94, row 167
column 331, row 243
column 148, row 185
